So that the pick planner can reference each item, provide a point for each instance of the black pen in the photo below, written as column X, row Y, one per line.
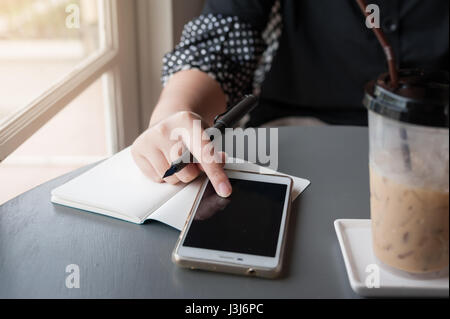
column 221, row 122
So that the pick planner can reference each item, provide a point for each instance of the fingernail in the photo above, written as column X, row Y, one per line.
column 224, row 189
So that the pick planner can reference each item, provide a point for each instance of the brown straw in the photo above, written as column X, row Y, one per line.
column 393, row 73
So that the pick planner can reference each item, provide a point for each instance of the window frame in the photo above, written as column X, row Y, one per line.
column 115, row 62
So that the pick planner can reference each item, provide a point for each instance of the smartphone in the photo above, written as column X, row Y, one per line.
column 242, row 234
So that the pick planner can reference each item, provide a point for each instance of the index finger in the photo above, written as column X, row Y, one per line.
column 203, row 150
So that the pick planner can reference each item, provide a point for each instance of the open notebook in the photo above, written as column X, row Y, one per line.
column 117, row 188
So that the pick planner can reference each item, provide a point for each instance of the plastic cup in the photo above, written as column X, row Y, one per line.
column 409, row 171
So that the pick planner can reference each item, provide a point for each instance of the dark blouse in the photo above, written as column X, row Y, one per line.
column 307, row 57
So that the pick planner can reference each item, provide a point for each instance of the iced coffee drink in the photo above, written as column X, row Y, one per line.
column 409, row 164
column 409, row 224
column 409, row 194
column 409, row 171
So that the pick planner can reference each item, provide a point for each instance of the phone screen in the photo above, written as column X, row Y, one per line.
column 247, row 222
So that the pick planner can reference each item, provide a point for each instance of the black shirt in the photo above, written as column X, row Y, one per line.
column 308, row 57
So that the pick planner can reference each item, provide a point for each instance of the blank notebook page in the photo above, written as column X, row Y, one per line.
column 117, row 185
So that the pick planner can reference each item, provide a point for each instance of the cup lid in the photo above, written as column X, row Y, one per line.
column 421, row 98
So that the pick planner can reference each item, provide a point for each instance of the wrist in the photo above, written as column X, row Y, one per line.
column 165, row 109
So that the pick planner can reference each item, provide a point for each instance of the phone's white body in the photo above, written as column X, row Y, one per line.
column 238, row 263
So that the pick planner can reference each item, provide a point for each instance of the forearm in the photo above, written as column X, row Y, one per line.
column 190, row 90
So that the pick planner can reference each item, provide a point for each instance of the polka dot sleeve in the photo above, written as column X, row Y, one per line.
column 224, row 47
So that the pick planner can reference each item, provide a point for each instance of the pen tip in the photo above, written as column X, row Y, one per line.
column 169, row 172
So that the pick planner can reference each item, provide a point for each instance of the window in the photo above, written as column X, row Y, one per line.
column 75, row 137
column 68, row 57
column 38, row 46
column 54, row 53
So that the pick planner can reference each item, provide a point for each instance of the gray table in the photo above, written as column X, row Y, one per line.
column 121, row 260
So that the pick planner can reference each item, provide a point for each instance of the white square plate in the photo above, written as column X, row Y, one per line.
column 355, row 239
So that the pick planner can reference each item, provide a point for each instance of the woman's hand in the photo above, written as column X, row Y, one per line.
column 161, row 143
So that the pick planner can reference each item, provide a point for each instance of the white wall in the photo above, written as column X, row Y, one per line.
column 159, row 28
